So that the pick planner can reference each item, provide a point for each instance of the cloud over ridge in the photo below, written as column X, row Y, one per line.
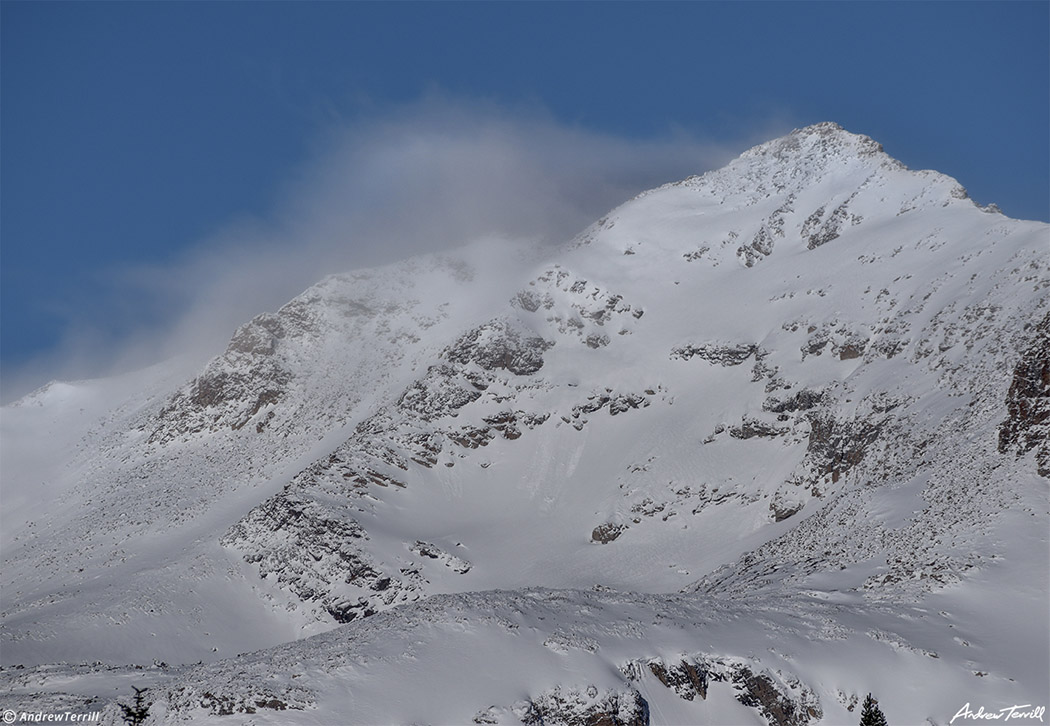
column 425, row 176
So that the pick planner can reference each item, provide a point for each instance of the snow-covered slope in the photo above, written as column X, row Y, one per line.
column 806, row 392
column 125, row 556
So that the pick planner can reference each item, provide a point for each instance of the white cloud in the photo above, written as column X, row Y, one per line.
column 430, row 175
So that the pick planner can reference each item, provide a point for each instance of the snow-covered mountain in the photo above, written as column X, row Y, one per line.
column 753, row 445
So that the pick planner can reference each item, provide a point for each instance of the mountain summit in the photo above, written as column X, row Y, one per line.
column 753, row 445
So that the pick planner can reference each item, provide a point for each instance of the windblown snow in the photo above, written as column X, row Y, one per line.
column 752, row 446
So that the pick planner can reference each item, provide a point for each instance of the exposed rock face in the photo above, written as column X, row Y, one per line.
column 829, row 229
column 686, row 679
column 340, row 577
column 442, row 390
column 496, row 345
column 606, row 533
column 234, row 388
column 782, row 510
column 226, row 704
column 802, row 400
column 836, row 446
column 616, row 403
column 772, row 229
column 584, row 707
column 723, row 354
column 780, row 701
column 759, row 691
column 751, row 427
column 1027, row 425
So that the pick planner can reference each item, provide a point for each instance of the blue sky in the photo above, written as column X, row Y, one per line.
column 152, row 153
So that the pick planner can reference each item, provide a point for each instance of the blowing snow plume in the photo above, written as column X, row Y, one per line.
column 424, row 177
